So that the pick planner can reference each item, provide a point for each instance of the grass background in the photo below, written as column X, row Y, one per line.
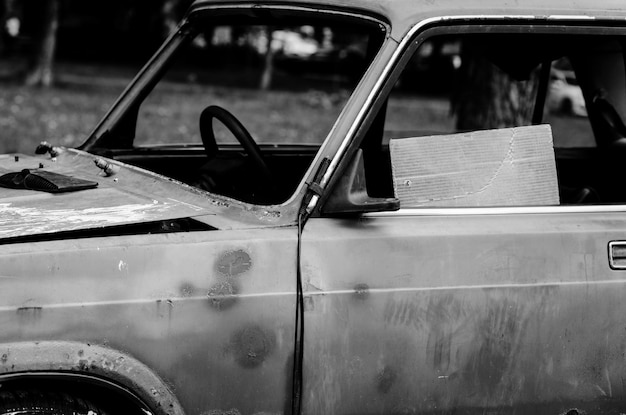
column 66, row 114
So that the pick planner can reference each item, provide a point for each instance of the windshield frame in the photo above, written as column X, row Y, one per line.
column 100, row 139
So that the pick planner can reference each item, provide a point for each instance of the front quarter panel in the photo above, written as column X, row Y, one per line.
column 211, row 313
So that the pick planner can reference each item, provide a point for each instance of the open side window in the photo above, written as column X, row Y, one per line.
column 459, row 93
column 238, row 101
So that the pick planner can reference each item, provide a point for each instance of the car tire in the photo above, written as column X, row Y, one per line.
column 34, row 402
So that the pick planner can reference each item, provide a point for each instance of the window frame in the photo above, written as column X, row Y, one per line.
column 285, row 213
column 459, row 24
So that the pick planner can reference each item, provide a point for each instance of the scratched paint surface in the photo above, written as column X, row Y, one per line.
column 482, row 314
column 211, row 312
column 129, row 196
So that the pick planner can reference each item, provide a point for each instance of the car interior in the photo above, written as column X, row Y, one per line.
column 239, row 139
column 589, row 150
column 435, row 93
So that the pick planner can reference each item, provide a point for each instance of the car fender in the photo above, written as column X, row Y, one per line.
column 26, row 358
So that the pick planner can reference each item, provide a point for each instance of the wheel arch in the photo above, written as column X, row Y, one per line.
column 91, row 368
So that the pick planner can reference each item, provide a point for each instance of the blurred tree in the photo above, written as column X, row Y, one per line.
column 170, row 15
column 40, row 71
column 268, row 61
column 487, row 97
column 172, row 11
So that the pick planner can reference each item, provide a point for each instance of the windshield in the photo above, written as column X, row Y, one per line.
column 286, row 80
column 266, row 81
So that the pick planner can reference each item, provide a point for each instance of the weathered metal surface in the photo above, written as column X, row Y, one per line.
column 209, row 312
column 130, row 196
column 464, row 314
column 474, row 314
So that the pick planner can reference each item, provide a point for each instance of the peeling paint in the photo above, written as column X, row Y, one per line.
column 220, row 203
column 223, row 295
column 361, row 291
column 270, row 215
column 16, row 220
column 233, row 263
column 225, row 292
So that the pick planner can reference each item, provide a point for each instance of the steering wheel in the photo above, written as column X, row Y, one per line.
column 611, row 119
column 238, row 130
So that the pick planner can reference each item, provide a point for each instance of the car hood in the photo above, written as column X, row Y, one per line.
column 129, row 196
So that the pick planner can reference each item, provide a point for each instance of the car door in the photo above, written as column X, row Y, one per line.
column 441, row 311
column 482, row 309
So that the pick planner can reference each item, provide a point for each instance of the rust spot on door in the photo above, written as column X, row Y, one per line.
column 223, row 295
column 361, row 291
column 233, row 263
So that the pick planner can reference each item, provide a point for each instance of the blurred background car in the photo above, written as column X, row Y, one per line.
column 565, row 95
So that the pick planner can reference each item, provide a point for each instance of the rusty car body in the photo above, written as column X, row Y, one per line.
column 327, row 294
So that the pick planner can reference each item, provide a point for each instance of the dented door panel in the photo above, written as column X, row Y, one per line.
column 464, row 314
column 209, row 312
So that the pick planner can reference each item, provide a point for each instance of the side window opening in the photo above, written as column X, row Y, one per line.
column 456, row 84
column 239, row 105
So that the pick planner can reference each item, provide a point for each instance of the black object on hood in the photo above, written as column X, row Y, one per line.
column 44, row 181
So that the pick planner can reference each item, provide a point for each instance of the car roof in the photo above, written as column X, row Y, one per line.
column 403, row 14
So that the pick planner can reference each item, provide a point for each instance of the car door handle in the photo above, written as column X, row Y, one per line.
column 617, row 254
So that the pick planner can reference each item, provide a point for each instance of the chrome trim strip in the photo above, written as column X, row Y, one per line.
column 408, row 38
column 566, row 17
column 170, row 301
column 469, row 287
column 287, row 7
column 517, row 210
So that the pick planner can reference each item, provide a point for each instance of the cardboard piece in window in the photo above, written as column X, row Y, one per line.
column 504, row 167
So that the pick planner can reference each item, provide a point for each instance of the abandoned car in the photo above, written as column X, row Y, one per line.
column 460, row 251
